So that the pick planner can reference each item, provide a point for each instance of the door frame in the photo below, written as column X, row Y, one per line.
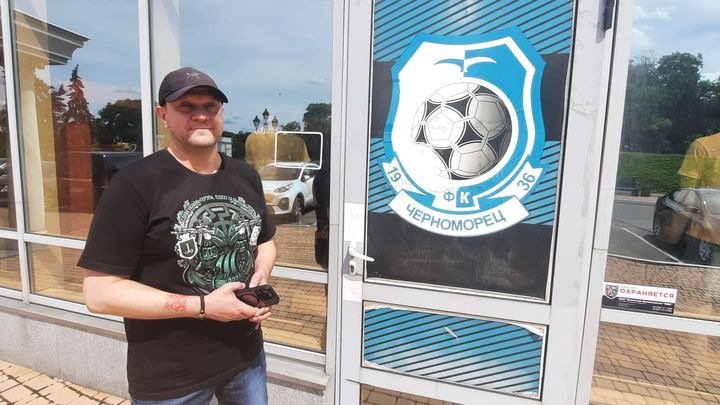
column 567, row 314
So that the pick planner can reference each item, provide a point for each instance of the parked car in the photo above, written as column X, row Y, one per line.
column 4, row 183
column 692, row 216
column 288, row 190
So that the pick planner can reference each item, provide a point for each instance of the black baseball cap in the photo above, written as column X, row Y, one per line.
column 179, row 81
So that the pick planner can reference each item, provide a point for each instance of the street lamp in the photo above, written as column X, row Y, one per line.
column 265, row 115
column 256, row 122
column 275, row 123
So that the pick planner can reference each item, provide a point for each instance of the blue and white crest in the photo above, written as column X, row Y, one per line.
column 465, row 134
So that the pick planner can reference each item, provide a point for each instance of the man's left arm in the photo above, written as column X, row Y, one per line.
column 264, row 263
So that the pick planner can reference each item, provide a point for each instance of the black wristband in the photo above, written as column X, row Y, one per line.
column 201, row 315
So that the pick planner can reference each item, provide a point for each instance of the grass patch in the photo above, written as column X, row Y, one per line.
column 654, row 171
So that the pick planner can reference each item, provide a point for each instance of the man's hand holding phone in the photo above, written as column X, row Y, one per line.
column 260, row 297
column 223, row 305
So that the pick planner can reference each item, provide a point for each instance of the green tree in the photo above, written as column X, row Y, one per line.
column 642, row 120
column 58, row 108
column 77, row 106
column 681, row 103
column 120, row 121
column 317, row 119
column 238, row 144
column 291, row 126
column 667, row 105
column 710, row 97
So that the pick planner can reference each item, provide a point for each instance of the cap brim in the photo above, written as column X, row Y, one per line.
column 180, row 92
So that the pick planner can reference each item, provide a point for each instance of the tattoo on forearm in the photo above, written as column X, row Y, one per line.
column 177, row 303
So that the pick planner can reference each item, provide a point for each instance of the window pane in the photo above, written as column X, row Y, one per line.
column 79, row 103
column 7, row 208
column 9, row 265
column 666, row 216
column 53, row 272
column 635, row 365
column 276, row 74
column 300, row 318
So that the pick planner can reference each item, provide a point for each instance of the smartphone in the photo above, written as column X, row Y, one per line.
column 260, row 296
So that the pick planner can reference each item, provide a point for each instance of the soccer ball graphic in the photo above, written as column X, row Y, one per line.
column 466, row 126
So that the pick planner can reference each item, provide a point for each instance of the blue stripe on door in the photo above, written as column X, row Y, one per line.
column 547, row 24
column 480, row 353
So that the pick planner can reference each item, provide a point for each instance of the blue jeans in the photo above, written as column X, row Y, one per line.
column 248, row 387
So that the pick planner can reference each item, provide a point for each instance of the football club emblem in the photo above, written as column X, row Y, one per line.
column 464, row 134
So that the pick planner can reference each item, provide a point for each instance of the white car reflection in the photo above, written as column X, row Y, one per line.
column 288, row 190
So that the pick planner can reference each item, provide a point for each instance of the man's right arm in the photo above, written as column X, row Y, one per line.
column 118, row 295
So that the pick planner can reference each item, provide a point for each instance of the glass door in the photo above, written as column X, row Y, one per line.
column 457, row 252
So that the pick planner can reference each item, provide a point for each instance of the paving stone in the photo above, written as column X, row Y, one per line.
column 28, row 376
column 16, row 371
column 113, row 400
column 56, row 386
column 84, row 401
column 28, row 399
column 604, row 383
column 377, row 398
column 39, row 401
column 639, row 390
column 7, row 384
column 88, row 392
column 15, row 394
column 63, row 396
column 4, row 365
column 607, row 393
column 39, row 382
column 634, row 399
column 668, row 396
column 683, row 399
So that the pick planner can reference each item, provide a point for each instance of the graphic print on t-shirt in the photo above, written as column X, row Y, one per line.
column 216, row 241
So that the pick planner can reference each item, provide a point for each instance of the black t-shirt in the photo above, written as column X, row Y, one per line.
column 187, row 233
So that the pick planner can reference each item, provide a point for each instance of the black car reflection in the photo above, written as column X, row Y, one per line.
column 105, row 165
column 4, row 182
column 690, row 216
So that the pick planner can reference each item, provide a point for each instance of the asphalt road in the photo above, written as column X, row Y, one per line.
column 631, row 233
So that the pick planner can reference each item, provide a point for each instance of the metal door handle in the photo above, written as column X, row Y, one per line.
column 354, row 253
column 353, row 267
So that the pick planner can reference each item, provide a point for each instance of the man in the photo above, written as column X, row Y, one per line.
column 701, row 165
column 173, row 236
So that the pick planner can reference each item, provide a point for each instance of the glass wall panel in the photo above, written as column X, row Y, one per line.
column 273, row 61
column 53, row 272
column 7, row 208
column 79, row 101
column 379, row 396
column 9, row 265
column 665, row 233
column 300, row 319
column 635, row 365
